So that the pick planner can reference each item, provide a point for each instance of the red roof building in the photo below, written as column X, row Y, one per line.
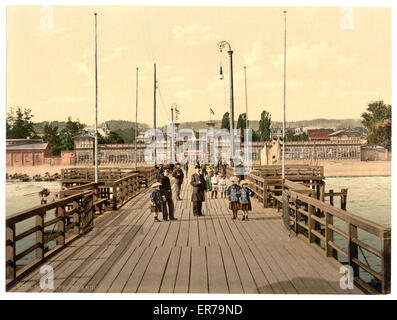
column 319, row 134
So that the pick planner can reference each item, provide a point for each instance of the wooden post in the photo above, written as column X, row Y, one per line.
column 61, row 226
column 322, row 191
column 76, row 217
column 10, row 252
column 329, row 236
column 386, row 261
column 311, row 223
column 40, row 236
column 343, row 199
column 331, row 197
column 114, row 186
column 265, row 195
column 353, row 249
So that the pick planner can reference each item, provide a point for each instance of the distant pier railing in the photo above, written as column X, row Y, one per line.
column 78, row 207
column 81, row 200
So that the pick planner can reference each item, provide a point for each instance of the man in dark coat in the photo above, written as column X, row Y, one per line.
column 166, row 192
column 199, row 188
column 178, row 175
column 160, row 172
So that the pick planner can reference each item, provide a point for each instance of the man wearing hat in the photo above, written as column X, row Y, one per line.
column 178, row 175
column 199, row 188
column 166, row 192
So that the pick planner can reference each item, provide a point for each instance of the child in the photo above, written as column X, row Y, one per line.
column 222, row 186
column 214, row 182
column 232, row 193
column 245, row 194
column 157, row 200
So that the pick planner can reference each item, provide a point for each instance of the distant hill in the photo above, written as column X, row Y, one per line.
column 39, row 126
column 117, row 125
column 114, row 125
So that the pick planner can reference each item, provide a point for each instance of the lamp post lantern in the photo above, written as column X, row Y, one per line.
column 221, row 46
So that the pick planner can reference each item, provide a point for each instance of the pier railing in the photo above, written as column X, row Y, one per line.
column 333, row 230
column 315, row 220
column 77, row 208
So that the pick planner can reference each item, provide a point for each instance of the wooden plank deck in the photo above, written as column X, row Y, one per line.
column 128, row 252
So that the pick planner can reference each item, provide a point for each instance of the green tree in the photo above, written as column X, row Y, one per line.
column 19, row 124
column 379, row 130
column 51, row 136
column 72, row 129
column 264, row 126
column 242, row 124
column 226, row 121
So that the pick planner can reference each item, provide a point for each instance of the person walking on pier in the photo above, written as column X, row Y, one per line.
column 233, row 194
column 245, row 202
column 199, row 188
column 157, row 201
column 208, row 179
column 214, row 184
column 186, row 168
column 222, row 186
column 160, row 172
column 178, row 175
column 166, row 192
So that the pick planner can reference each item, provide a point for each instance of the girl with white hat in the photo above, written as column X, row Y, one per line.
column 245, row 195
column 233, row 194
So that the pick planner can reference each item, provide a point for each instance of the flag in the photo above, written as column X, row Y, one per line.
column 176, row 113
column 212, row 111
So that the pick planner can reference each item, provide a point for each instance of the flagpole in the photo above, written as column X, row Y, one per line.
column 284, row 117
column 96, row 101
column 136, row 119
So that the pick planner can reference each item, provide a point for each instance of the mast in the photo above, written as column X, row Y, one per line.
column 136, row 119
column 154, row 115
column 246, row 99
column 96, row 102
column 284, row 118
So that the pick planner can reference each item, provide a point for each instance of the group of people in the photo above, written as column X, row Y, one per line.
column 238, row 192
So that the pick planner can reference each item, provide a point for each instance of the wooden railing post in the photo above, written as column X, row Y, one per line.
column 386, row 261
column 329, row 236
column 265, row 195
column 40, row 236
column 76, row 217
column 115, row 195
column 331, row 197
column 343, row 199
column 10, row 252
column 61, row 226
column 311, row 223
column 353, row 249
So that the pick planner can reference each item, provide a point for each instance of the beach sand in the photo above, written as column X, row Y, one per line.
column 344, row 168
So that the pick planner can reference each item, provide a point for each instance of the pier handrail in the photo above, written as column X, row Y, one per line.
column 314, row 219
column 78, row 207
column 311, row 227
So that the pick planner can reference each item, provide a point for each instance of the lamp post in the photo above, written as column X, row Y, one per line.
column 222, row 45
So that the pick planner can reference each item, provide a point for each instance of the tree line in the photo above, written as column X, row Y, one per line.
column 264, row 132
column 19, row 125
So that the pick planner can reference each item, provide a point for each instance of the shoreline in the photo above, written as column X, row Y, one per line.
column 343, row 168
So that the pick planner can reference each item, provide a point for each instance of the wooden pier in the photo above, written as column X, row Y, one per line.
column 126, row 251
